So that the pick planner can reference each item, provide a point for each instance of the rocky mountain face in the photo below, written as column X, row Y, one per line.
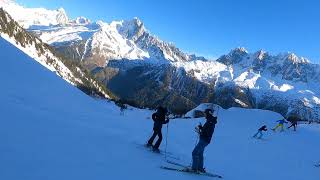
column 284, row 83
column 144, row 71
column 149, row 85
column 73, row 73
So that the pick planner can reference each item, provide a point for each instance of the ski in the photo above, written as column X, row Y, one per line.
column 169, row 155
column 188, row 170
column 177, row 164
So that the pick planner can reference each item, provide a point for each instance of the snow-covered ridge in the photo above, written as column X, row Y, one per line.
column 31, row 50
column 37, row 50
column 81, row 20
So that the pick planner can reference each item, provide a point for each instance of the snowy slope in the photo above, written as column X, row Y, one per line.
column 46, row 56
column 41, row 139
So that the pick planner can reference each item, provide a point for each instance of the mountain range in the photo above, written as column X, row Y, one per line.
column 127, row 62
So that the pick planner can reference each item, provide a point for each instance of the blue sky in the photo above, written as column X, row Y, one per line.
column 213, row 27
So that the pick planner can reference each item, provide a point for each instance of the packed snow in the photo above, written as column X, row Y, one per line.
column 51, row 130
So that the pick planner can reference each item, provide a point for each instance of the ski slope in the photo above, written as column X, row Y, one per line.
column 51, row 130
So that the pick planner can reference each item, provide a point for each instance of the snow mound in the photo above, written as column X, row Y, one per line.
column 201, row 108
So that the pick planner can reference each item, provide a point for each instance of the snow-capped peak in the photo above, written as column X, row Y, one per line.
column 131, row 29
column 62, row 17
column 61, row 10
column 292, row 58
column 81, row 21
column 234, row 56
column 261, row 54
column 6, row 1
column 239, row 50
column 295, row 59
column 137, row 21
column 28, row 17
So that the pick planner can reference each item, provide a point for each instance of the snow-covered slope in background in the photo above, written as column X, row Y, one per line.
column 31, row 50
column 42, row 139
column 46, row 56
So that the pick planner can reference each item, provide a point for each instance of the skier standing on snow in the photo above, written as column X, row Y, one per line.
column 294, row 122
column 280, row 124
column 205, row 133
column 159, row 119
column 262, row 128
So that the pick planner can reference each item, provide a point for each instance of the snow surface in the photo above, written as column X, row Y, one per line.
column 51, row 130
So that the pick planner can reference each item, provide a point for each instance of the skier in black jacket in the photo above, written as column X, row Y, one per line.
column 205, row 133
column 159, row 119
column 294, row 122
column 262, row 128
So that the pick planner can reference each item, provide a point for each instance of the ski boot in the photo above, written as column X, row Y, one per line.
column 156, row 150
column 203, row 170
column 148, row 145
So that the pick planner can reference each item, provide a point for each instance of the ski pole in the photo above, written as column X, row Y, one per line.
column 197, row 139
column 165, row 152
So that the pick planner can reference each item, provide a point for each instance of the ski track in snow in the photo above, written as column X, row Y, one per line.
column 51, row 130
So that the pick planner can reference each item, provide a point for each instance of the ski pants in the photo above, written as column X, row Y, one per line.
column 294, row 125
column 279, row 125
column 258, row 133
column 156, row 132
column 197, row 155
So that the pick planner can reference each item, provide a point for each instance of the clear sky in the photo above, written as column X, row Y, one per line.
column 213, row 27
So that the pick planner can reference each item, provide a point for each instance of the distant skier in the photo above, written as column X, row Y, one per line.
column 159, row 119
column 280, row 124
column 122, row 108
column 294, row 122
column 205, row 133
column 262, row 128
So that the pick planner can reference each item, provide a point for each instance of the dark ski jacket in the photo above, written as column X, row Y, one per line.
column 159, row 119
column 263, row 128
column 293, row 119
column 206, row 131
